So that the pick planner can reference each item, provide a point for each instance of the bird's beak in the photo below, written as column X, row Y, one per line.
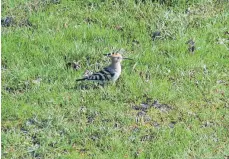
column 125, row 58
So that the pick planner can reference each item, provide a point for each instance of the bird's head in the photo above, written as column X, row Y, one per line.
column 116, row 56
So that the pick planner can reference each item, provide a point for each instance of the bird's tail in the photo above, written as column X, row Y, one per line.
column 82, row 79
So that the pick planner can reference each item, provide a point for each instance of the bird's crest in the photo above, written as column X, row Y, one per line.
column 116, row 53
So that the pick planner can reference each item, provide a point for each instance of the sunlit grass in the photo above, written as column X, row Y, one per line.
column 46, row 115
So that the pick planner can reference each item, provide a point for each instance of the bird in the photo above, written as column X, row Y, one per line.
column 110, row 73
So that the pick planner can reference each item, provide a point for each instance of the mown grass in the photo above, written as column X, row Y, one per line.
column 46, row 115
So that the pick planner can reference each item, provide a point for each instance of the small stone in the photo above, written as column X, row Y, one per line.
column 37, row 81
column 6, row 22
column 155, row 35
column 172, row 124
column 191, row 44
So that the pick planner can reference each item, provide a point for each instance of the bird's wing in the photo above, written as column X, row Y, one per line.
column 104, row 75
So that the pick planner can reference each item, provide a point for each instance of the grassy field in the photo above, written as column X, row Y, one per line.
column 169, row 102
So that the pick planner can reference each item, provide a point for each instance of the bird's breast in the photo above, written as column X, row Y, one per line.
column 115, row 76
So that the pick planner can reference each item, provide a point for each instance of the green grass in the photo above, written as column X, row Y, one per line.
column 55, row 119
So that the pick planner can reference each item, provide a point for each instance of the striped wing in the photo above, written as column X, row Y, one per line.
column 104, row 75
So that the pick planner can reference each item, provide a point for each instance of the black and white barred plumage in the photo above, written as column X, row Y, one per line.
column 106, row 74
column 109, row 73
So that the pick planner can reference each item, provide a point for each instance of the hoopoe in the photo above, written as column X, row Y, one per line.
column 109, row 73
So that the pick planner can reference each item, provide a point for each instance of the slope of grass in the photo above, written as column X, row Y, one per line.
column 45, row 114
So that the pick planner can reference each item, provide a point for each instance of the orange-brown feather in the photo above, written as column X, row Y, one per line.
column 116, row 55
